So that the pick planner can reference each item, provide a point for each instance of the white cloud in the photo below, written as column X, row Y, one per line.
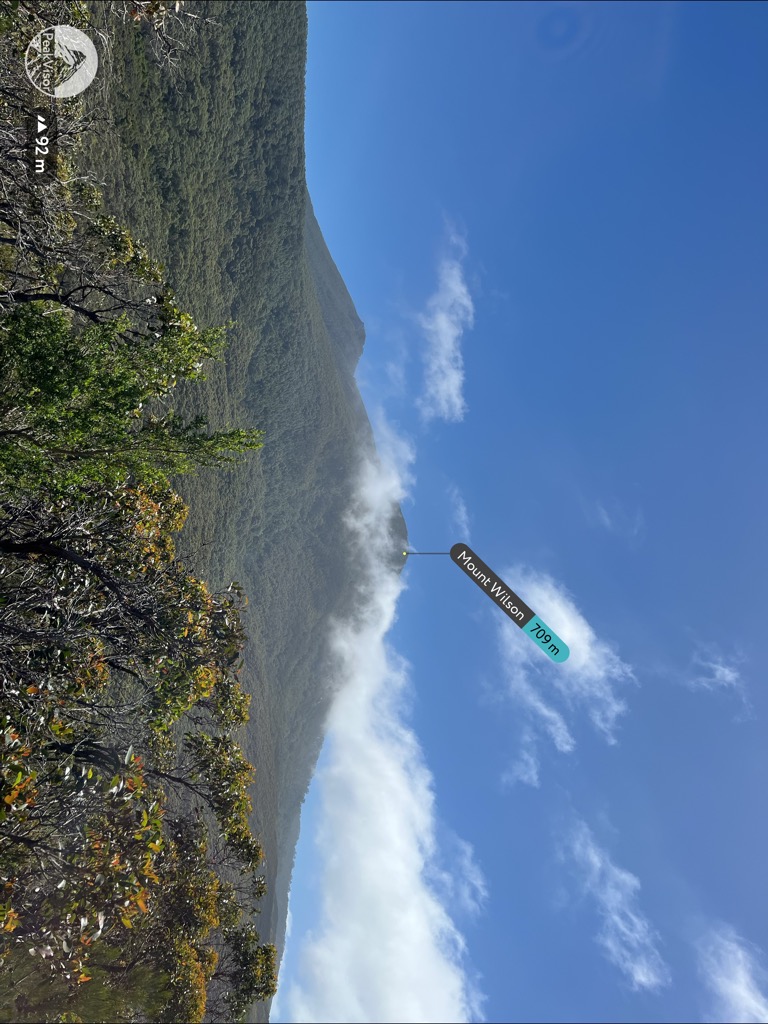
column 552, row 693
column 386, row 947
column 733, row 972
column 710, row 671
column 459, row 512
column 603, row 517
column 616, row 518
column 464, row 885
column 627, row 938
column 468, row 879
column 526, row 767
column 449, row 312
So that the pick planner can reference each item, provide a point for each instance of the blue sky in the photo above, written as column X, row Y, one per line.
column 552, row 219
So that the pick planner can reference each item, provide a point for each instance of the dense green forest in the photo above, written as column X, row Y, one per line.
column 193, row 135
column 206, row 165
column 129, row 870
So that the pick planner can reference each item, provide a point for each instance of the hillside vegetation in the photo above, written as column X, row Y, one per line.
column 207, row 167
column 200, row 156
column 130, row 875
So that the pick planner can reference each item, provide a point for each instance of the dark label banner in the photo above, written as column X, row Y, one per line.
column 498, row 591
column 505, row 597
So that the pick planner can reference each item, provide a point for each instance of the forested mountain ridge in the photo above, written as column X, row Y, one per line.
column 338, row 311
column 206, row 166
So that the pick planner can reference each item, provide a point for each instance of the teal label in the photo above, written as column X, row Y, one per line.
column 504, row 596
column 547, row 639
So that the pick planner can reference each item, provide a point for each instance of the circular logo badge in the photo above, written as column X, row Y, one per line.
column 61, row 61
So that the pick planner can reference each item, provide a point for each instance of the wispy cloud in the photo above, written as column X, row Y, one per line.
column 386, row 948
column 627, row 938
column 526, row 767
column 553, row 694
column 469, row 882
column 448, row 314
column 603, row 517
column 464, row 885
column 615, row 517
column 734, row 971
column 459, row 512
column 711, row 671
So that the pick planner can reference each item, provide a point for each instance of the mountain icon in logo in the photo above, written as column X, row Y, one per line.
column 68, row 61
column 61, row 61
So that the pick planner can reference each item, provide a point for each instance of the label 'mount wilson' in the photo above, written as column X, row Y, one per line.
column 513, row 606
